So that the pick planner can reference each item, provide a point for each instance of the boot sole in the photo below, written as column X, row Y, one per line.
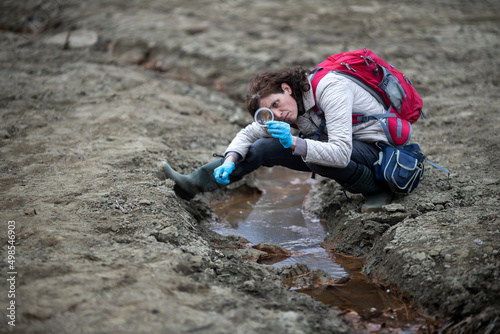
column 160, row 173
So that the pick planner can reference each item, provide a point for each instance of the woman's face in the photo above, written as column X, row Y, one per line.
column 283, row 105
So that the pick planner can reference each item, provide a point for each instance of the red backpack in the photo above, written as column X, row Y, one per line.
column 388, row 85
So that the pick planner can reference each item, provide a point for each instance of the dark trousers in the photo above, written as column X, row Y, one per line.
column 269, row 152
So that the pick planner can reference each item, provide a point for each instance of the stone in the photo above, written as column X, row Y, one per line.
column 249, row 285
column 394, row 207
column 272, row 250
column 420, row 256
column 75, row 39
column 251, row 254
column 320, row 277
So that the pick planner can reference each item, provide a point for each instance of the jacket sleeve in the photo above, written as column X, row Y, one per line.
column 245, row 138
column 336, row 100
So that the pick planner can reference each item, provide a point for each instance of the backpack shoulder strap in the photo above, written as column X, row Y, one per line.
column 316, row 75
column 370, row 90
column 319, row 73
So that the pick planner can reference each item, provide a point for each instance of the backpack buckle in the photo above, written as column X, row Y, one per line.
column 348, row 67
column 374, row 64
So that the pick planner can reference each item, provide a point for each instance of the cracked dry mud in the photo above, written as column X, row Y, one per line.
column 101, row 91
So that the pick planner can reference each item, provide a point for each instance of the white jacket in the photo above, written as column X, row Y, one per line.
column 338, row 97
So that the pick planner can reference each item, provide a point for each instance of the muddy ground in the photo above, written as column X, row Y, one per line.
column 93, row 93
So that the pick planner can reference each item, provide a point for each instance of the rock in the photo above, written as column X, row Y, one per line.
column 251, row 254
column 394, row 207
column 442, row 198
column 299, row 275
column 169, row 234
column 130, row 50
column 420, row 256
column 272, row 250
column 249, row 285
column 196, row 262
column 488, row 181
column 196, row 29
column 293, row 270
column 74, row 39
column 469, row 189
column 372, row 227
column 320, row 277
column 343, row 280
column 4, row 134
column 425, row 207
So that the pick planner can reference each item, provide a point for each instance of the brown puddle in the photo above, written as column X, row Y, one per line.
column 276, row 217
column 371, row 306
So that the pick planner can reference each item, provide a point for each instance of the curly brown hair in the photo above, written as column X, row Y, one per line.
column 264, row 84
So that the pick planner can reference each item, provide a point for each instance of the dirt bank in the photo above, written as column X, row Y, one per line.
column 100, row 91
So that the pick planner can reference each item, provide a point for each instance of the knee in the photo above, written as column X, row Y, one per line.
column 321, row 170
column 262, row 149
column 340, row 175
column 259, row 145
column 257, row 151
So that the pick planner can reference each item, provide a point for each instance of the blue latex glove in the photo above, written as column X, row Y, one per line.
column 281, row 130
column 222, row 172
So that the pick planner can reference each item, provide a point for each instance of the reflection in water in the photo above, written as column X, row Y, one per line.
column 276, row 217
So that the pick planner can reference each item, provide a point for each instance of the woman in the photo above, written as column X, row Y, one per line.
column 341, row 151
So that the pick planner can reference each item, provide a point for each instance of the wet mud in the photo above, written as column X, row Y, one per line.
column 93, row 94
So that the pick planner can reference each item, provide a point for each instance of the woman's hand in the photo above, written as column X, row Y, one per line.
column 222, row 172
column 281, row 130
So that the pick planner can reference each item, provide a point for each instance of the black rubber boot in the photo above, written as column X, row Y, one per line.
column 376, row 194
column 187, row 186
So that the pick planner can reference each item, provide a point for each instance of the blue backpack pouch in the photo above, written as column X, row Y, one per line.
column 402, row 167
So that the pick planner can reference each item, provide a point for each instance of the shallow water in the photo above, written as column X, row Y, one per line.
column 277, row 217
